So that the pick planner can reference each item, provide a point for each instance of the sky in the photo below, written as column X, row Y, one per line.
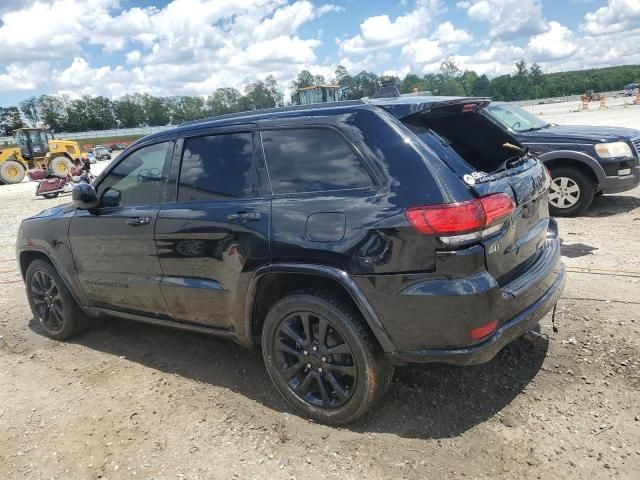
column 192, row 47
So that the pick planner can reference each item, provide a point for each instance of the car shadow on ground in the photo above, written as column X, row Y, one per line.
column 609, row 205
column 428, row 401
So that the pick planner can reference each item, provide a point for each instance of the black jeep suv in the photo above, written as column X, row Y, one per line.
column 340, row 238
column 584, row 161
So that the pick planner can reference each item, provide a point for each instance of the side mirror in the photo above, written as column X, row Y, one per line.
column 84, row 196
column 110, row 198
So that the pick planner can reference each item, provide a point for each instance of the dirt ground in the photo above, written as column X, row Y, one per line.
column 133, row 401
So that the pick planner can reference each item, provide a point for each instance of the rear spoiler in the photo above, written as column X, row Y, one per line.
column 403, row 107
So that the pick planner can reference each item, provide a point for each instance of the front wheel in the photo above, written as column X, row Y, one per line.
column 571, row 192
column 322, row 358
column 51, row 303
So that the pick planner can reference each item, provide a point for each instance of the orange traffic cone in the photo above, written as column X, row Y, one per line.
column 585, row 103
column 637, row 100
column 603, row 103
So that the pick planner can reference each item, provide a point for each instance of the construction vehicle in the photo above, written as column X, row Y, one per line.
column 316, row 94
column 37, row 149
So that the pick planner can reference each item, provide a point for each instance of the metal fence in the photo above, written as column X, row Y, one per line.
column 120, row 132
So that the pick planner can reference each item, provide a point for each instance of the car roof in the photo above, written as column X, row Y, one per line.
column 399, row 107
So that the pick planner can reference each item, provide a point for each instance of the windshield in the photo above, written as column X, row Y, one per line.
column 516, row 118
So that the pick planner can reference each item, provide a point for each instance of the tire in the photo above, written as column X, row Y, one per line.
column 12, row 171
column 51, row 303
column 571, row 192
column 60, row 166
column 349, row 365
column 51, row 195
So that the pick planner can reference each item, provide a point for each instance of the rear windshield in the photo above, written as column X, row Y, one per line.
column 464, row 140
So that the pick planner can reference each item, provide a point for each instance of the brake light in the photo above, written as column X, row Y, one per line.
column 478, row 217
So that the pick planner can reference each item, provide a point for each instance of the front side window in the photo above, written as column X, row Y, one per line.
column 312, row 160
column 137, row 179
column 218, row 167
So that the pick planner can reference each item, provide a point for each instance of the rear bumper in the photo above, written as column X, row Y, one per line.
column 429, row 316
column 506, row 333
column 617, row 184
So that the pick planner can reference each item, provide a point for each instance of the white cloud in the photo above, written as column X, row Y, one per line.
column 616, row 16
column 191, row 47
column 133, row 56
column 381, row 32
column 554, row 44
column 422, row 51
column 448, row 34
column 187, row 47
column 508, row 19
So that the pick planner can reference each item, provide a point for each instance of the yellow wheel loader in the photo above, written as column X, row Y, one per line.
column 37, row 149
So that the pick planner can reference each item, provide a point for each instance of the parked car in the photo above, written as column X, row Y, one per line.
column 102, row 153
column 584, row 161
column 631, row 89
column 371, row 242
column 96, row 147
column 118, row 146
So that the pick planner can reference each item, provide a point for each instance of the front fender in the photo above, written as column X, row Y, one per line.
column 330, row 273
column 583, row 158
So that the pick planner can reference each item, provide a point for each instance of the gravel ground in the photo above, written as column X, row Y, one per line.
column 133, row 401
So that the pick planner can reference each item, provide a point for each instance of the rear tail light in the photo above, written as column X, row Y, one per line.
column 461, row 222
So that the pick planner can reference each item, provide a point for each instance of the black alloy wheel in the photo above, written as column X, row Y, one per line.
column 51, row 303
column 48, row 301
column 322, row 357
column 315, row 360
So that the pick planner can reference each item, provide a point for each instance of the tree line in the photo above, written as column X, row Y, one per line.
column 62, row 114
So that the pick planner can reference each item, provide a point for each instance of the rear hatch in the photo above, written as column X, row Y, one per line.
column 473, row 146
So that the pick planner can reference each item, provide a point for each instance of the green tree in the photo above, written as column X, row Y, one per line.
column 260, row 95
column 52, row 110
column 76, row 116
column 129, row 111
column 185, row 109
column 468, row 80
column 10, row 120
column 306, row 79
column 448, row 80
column 481, row 87
column 223, row 101
column 29, row 108
column 156, row 111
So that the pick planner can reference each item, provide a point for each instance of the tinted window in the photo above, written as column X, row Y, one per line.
column 136, row 180
column 218, row 167
column 311, row 160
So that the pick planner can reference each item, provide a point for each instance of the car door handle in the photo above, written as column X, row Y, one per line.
column 138, row 221
column 234, row 217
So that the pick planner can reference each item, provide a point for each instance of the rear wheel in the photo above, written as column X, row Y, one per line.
column 51, row 303
column 12, row 171
column 571, row 192
column 51, row 195
column 322, row 358
column 60, row 166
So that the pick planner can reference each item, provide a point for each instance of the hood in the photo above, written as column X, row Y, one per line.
column 51, row 212
column 578, row 133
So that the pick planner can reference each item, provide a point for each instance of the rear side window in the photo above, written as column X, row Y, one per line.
column 217, row 167
column 312, row 160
